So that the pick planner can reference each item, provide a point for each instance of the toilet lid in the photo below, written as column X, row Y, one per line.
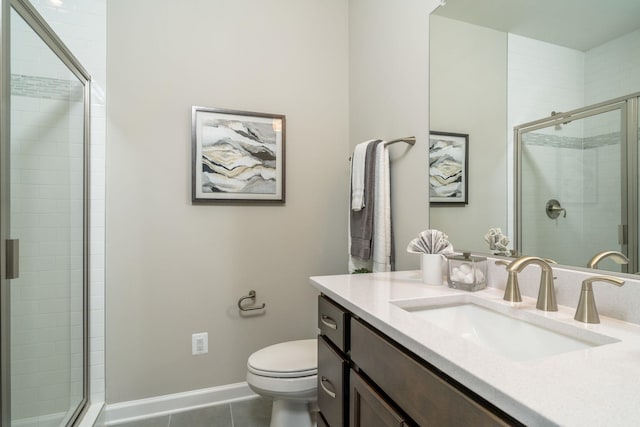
column 286, row 360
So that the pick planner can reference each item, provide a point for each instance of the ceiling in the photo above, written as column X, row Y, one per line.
column 577, row 24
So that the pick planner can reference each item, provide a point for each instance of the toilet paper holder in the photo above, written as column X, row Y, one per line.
column 251, row 296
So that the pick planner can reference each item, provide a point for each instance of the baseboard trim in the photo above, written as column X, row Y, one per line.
column 133, row 410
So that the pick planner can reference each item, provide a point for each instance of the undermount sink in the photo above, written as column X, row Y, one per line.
column 514, row 333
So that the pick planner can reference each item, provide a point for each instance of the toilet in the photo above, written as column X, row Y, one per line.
column 287, row 373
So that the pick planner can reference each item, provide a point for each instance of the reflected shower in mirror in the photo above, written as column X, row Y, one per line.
column 584, row 161
column 492, row 72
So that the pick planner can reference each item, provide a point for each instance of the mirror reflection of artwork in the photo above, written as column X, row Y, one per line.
column 448, row 160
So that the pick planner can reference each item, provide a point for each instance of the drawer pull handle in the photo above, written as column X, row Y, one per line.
column 329, row 322
column 326, row 390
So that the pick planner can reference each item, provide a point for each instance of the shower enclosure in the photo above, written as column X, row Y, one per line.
column 44, row 228
column 577, row 184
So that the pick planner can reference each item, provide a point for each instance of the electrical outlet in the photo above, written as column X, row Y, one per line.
column 200, row 343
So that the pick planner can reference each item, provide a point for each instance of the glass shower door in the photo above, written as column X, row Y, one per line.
column 47, row 214
column 572, row 183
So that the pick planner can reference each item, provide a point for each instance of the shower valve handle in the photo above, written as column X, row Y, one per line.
column 553, row 209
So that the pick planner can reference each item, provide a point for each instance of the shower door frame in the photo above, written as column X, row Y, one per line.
column 628, row 228
column 37, row 23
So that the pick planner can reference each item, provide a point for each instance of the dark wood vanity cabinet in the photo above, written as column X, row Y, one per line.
column 368, row 408
column 427, row 396
column 377, row 382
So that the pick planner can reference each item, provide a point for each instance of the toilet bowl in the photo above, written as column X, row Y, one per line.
column 287, row 373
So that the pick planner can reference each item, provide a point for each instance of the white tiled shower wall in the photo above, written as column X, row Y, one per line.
column 542, row 78
column 589, row 192
column 545, row 78
column 81, row 24
column 46, row 205
column 612, row 69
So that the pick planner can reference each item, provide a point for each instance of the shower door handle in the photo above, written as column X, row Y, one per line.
column 13, row 258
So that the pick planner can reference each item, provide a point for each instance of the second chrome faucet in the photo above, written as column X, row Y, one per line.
column 546, row 293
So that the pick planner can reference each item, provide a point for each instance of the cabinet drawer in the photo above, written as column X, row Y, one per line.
column 368, row 408
column 333, row 322
column 424, row 395
column 332, row 379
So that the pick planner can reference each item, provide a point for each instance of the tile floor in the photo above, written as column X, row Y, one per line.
column 248, row 413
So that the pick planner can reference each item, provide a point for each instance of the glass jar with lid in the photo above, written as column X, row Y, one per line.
column 467, row 272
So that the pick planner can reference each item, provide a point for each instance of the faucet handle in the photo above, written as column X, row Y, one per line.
column 587, row 311
column 512, row 290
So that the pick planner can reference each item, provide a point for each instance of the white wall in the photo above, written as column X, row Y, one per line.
column 468, row 93
column 388, row 99
column 613, row 69
column 173, row 268
column 542, row 78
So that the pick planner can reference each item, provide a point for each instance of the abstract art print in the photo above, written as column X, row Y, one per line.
column 448, row 168
column 238, row 156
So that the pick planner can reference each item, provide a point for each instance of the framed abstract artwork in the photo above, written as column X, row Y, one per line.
column 448, row 168
column 237, row 156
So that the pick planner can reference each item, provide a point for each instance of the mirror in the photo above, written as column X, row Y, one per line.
column 490, row 72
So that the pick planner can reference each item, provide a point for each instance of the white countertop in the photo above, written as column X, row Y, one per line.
column 598, row 386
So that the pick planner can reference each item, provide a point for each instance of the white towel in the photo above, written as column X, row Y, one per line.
column 382, row 237
column 357, row 175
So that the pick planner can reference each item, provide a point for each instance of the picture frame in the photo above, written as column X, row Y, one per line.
column 237, row 156
column 448, row 168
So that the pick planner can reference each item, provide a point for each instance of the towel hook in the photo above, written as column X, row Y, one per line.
column 251, row 296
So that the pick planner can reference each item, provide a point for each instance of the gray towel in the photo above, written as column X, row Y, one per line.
column 361, row 222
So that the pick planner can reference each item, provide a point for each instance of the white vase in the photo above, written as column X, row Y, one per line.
column 432, row 265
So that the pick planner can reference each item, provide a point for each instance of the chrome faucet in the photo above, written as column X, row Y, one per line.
column 546, row 293
column 616, row 256
column 587, row 311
